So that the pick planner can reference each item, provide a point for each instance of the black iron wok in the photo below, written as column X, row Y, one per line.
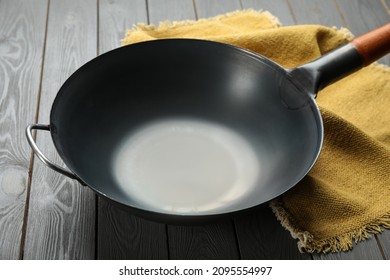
column 181, row 130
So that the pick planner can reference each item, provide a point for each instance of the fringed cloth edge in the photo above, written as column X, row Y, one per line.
column 343, row 242
column 175, row 24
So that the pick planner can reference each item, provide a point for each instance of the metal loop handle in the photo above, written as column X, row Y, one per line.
column 42, row 157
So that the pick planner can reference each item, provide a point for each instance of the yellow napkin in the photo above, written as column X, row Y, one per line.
column 346, row 196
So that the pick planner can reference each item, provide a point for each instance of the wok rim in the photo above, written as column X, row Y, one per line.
column 187, row 218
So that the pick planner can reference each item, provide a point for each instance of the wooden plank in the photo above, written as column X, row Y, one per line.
column 365, row 250
column 61, row 218
column 115, row 18
column 119, row 234
column 211, row 241
column 316, row 12
column 209, row 8
column 22, row 31
column 363, row 16
column 123, row 236
column 172, row 10
column 384, row 242
column 261, row 236
column 278, row 8
column 386, row 4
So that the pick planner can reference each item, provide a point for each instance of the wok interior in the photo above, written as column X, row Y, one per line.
column 116, row 94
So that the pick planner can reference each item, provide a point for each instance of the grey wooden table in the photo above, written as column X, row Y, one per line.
column 44, row 215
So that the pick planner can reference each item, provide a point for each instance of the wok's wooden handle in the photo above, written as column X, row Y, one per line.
column 373, row 45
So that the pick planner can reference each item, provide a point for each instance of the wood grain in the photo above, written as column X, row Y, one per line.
column 316, row 12
column 22, row 29
column 123, row 236
column 115, row 18
column 209, row 8
column 260, row 236
column 61, row 218
column 210, row 241
column 278, row 8
column 363, row 16
column 172, row 10
column 119, row 234
column 384, row 242
column 386, row 5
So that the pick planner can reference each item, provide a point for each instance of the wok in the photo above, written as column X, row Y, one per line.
column 183, row 129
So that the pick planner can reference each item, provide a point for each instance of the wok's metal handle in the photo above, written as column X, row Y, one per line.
column 42, row 157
